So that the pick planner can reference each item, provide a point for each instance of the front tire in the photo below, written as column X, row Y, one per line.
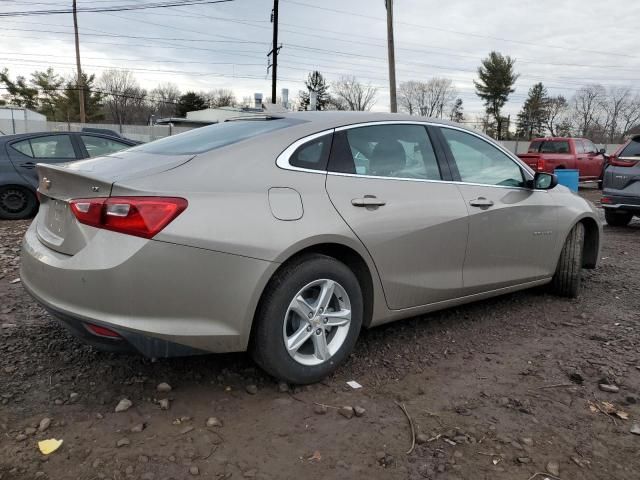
column 308, row 321
column 17, row 203
column 568, row 277
column 617, row 219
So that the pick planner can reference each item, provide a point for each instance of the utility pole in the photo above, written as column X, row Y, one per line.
column 80, row 83
column 274, row 51
column 392, row 56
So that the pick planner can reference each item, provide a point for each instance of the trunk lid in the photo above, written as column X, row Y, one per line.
column 56, row 226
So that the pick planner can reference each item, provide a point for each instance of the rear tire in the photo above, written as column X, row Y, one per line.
column 617, row 219
column 568, row 277
column 282, row 318
column 17, row 203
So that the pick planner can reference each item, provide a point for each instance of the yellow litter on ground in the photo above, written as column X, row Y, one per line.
column 49, row 446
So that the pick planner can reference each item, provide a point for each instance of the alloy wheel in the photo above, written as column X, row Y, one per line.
column 317, row 322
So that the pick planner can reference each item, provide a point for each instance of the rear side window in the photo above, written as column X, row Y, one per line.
column 313, row 155
column 632, row 150
column 215, row 136
column 97, row 146
column 580, row 147
column 395, row 151
column 51, row 146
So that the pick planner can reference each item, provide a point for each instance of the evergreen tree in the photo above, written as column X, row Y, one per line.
column 49, row 85
column 19, row 92
column 531, row 119
column 67, row 103
column 189, row 102
column 496, row 80
column 315, row 83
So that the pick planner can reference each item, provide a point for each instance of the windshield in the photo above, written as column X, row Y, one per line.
column 215, row 136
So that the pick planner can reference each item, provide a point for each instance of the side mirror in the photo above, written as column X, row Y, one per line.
column 544, row 181
column 602, row 151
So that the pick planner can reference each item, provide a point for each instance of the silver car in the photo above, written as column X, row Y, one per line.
column 286, row 235
column 621, row 185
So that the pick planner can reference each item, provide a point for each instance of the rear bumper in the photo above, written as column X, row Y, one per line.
column 621, row 203
column 162, row 299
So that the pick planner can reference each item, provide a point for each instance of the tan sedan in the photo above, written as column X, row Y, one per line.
column 286, row 235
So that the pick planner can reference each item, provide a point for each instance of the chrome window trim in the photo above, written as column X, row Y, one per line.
column 283, row 159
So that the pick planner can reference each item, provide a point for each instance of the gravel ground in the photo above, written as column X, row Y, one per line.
column 501, row 389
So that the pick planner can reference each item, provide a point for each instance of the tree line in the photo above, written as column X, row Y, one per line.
column 114, row 97
column 605, row 115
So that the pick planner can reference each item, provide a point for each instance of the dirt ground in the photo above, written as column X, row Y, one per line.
column 501, row 389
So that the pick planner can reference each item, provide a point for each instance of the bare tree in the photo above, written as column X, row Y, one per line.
column 439, row 93
column 556, row 109
column 124, row 100
column 409, row 97
column 355, row 95
column 587, row 108
column 165, row 98
column 630, row 116
column 429, row 99
column 221, row 97
column 616, row 101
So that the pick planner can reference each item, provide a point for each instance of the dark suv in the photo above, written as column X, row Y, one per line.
column 20, row 153
column 621, row 186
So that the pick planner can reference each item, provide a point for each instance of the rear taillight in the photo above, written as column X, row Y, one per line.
column 606, row 200
column 622, row 162
column 139, row 216
column 540, row 166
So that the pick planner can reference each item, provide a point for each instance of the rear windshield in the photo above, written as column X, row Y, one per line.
column 208, row 138
column 549, row 146
column 632, row 150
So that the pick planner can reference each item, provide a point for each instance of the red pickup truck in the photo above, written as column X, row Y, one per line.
column 549, row 154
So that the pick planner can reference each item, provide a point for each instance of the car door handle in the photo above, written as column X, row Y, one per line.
column 481, row 202
column 368, row 201
column 28, row 165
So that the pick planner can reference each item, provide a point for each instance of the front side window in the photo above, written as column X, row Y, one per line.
column 98, row 146
column 480, row 162
column 313, row 155
column 51, row 146
column 397, row 151
column 590, row 147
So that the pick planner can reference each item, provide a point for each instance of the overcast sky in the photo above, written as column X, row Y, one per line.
column 565, row 44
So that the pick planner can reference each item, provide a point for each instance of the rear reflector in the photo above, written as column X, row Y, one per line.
column 140, row 216
column 606, row 200
column 101, row 331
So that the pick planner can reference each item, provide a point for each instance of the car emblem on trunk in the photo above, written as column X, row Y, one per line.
column 95, row 189
column 46, row 183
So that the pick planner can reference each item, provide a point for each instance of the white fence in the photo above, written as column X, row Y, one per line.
column 142, row 133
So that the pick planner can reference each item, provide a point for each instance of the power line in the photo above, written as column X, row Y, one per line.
column 471, row 34
column 121, row 8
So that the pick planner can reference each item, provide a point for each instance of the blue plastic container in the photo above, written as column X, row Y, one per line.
column 568, row 177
